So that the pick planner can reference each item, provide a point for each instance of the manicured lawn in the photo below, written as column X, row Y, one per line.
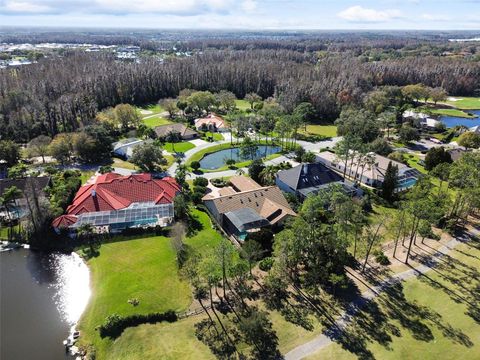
column 215, row 135
column 323, row 130
column 178, row 147
column 465, row 103
column 430, row 318
column 242, row 104
column 156, row 121
column 123, row 164
column 161, row 341
column 86, row 175
column 142, row 268
column 154, row 108
column 452, row 112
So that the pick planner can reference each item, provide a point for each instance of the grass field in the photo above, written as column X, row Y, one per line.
column 465, row 103
column 156, row 121
column 242, row 105
column 432, row 317
column 178, row 147
column 86, row 175
column 142, row 268
column 323, row 130
column 153, row 108
column 452, row 112
column 123, row 164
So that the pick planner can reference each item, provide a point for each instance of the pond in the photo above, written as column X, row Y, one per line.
column 452, row 121
column 42, row 296
column 217, row 159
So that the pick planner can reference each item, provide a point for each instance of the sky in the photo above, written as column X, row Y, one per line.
column 245, row 14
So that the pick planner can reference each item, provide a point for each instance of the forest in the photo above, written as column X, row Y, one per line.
column 63, row 92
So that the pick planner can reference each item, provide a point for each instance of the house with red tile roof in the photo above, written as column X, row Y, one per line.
column 115, row 202
column 211, row 122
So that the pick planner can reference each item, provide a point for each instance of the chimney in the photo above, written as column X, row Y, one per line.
column 94, row 193
column 305, row 169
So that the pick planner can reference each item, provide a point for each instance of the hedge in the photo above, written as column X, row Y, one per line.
column 115, row 324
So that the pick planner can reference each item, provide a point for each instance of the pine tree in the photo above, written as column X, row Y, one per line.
column 390, row 182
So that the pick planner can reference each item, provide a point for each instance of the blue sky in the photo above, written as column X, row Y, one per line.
column 245, row 14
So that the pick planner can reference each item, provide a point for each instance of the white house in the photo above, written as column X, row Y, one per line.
column 424, row 120
column 124, row 148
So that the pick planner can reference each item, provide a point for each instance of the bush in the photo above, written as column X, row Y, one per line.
column 200, row 181
column 115, row 324
column 195, row 165
column 218, row 182
column 266, row 264
column 381, row 258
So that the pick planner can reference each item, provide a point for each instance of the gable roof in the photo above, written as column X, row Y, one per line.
column 112, row 191
column 308, row 176
column 39, row 183
column 182, row 129
column 266, row 201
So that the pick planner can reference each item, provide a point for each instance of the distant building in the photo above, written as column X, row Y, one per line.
column 308, row 179
column 247, row 207
column 19, row 208
column 184, row 131
column 116, row 202
column 370, row 174
column 124, row 148
column 212, row 123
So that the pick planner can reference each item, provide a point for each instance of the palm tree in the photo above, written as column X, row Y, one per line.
column 9, row 196
column 268, row 174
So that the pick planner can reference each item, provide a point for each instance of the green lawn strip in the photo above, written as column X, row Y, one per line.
column 170, row 159
column 465, row 103
column 161, row 341
column 323, row 130
column 86, row 175
column 452, row 112
column 123, row 164
column 447, row 332
column 178, row 147
column 242, row 105
column 154, row 108
column 144, row 268
column 156, row 121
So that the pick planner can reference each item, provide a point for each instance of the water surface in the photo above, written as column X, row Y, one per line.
column 217, row 159
column 42, row 297
column 452, row 121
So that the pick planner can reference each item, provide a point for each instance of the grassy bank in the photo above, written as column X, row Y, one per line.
column 142, row 268
column 452, row 112
column 464, row 103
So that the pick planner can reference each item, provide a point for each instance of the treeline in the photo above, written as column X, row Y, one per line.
column 63, row 94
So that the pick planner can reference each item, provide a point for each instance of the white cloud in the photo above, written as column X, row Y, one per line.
column 435, row 17
column 25, row 7
column 164, row 6
column 360, row 14
column 249, row 5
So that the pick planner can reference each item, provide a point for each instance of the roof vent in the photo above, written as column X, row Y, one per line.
column 305, row 169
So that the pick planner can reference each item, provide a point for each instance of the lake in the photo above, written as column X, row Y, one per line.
column 452, row 121
column 42, row 296
column 217, row 159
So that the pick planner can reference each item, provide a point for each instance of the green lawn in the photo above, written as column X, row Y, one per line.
column 465, row 103
column 86, row 175
column 323, row 130
column 142, row 268
column 432, row 317
column 178, row 147
column 156, row 121
column 242, row 104
column 452, row 112
column 123, row 164
column 154, row 108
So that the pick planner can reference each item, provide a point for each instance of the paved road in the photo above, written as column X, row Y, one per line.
column 334, row 331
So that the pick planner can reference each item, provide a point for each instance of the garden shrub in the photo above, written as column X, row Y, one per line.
column 266, row 264
column 115, row 324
